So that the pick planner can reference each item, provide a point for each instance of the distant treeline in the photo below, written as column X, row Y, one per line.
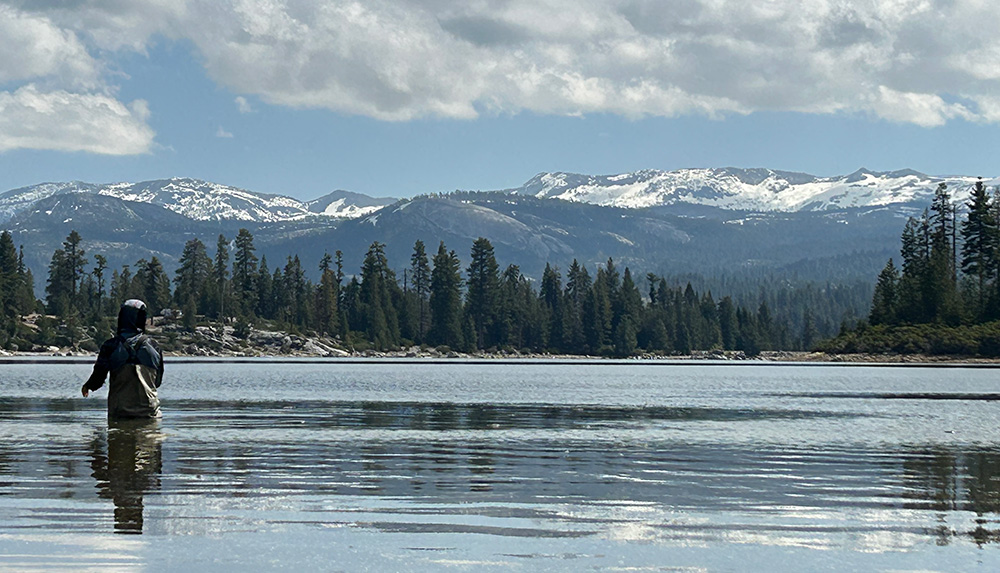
column 435, row 302
column 945, row 298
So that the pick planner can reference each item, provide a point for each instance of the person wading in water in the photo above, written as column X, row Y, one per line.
column 136, row 366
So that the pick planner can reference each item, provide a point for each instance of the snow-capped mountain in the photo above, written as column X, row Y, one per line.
column 205, row 201
column 200, row 200
column 18, row 200
column 747, row 189
column 347, row 205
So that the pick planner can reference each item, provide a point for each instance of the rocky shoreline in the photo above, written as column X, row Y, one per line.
column 218, row 342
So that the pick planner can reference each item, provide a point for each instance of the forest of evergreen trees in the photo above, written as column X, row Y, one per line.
column 435, row 302
column 945, row 298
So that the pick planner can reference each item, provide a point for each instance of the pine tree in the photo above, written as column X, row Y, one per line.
column 220, row 276
column 192, row 276
column 339, row 260
column 551, row 296
column 612, row 280
column 244, row 274
column 577, row 286
column 265, row 290
column 765, row 326
column 279, row 296
column 980, row 243
column 446, row 300
column 728, row 325
column 631, row 301
column 65, row 272
column 9, row 277
column 100, row 266
column 944, row 228
column 682, row 339
column 59, row 288
column 885, row 299
column 629, row 316
column 420, row 277
column 351, row 307
column 327, row 299
column 597, row 314
column 296, row 291
column 152, row 284
column 26, row 297
column 910, row 292
column 121, row 285
column 481, row 295
column 748, row 339
column 381, row 322
column 75, row 263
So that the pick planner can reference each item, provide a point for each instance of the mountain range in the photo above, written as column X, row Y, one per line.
column 201, row 200
column 745, row 189
column 688, row 222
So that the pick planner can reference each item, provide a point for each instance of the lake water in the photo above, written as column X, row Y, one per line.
column 399, row 466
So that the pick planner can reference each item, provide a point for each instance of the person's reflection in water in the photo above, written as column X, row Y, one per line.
column 128, row 468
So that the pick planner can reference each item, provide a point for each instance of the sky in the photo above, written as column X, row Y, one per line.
column 401, row 97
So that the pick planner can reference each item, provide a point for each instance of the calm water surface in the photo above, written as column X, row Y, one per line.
column 478, row 467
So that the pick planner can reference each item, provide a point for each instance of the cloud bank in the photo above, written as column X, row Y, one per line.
column 924, row 62
column 64, row 121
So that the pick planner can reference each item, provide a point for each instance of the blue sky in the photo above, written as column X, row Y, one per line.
column 397, row 98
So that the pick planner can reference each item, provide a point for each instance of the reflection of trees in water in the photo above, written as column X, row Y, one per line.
column 943, row 480
column 127, row 464
column 6, row 466
column 456, row 416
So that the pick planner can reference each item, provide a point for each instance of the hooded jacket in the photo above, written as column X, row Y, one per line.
column 135, row 363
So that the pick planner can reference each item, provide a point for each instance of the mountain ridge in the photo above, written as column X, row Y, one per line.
column 200, row 200
column 757, row 189
column 727, row 188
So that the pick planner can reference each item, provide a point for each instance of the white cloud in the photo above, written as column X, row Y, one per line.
column 61, row 101
column 33, row 47
column 64, row 121
column 927, row 110
column 222, row 133
column 243, row 105
column 899, row 60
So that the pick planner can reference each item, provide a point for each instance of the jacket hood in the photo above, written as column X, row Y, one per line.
column 132, row 317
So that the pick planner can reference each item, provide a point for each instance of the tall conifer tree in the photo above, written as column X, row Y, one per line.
column 481, row 295
column 446, row 299
column 244, row 273
column 420, row 277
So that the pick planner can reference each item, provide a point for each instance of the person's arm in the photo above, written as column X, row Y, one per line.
column 159, row 362
column 101, row 368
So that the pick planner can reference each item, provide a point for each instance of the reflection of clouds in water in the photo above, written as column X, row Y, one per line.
column 470, row 563
column 127, row 464
column 632, row 532
column 52, row 551
column 884, row 541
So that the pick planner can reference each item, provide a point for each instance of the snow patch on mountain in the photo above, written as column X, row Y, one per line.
column 347, row 205
column 17, row 200
column 205, row 201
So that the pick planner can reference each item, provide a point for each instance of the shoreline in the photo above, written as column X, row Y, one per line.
column 223, row 343
column 415, row 356
column 220, row 344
